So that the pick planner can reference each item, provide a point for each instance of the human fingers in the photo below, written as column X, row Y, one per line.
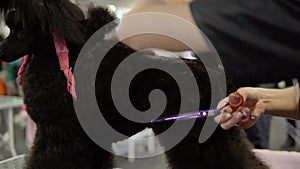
column 225, row 112
column 258, row 110
column 249, row 95
column 223, row 117
column 236, row 118
column 222, row 103
column 234, row 100
column 249, row 123
column 242, row 114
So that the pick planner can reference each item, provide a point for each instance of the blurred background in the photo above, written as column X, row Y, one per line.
column 17, row 130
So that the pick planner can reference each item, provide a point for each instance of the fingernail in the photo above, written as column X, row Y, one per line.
column 254, row 116
column 228, row 116
column 217, row 118
column 239, row 115
column 225, row 116
column 246, row 112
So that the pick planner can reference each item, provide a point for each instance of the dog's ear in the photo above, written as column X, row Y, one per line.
column 65, row 18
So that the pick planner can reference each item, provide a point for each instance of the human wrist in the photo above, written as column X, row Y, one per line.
column 280, row 102
column 176, row 1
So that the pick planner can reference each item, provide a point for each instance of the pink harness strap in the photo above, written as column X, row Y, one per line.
column 22, row 69
column 62, row 53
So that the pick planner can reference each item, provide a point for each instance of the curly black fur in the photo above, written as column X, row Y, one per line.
column 60, row 142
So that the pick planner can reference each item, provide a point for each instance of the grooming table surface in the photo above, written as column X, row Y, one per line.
column 7, row 102
column 275, row 159
column 13, row 163
column 7, row 105
column 279, row 159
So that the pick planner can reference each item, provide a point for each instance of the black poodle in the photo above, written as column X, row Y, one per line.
column 60, row 141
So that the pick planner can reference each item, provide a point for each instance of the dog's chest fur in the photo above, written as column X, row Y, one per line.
column 44, row 87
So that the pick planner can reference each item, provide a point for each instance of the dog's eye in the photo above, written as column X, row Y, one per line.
column 12, row 20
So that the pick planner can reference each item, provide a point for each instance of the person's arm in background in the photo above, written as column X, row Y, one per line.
column 276, row 102
column 178, row 8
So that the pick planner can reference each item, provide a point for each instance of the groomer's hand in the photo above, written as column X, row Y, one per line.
column 252, row 106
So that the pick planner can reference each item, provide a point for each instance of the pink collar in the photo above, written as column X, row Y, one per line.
column 62, row 53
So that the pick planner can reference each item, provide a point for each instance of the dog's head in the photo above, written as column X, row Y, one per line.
column 32, row 21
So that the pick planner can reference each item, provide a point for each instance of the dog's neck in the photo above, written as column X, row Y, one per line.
column 62, row 52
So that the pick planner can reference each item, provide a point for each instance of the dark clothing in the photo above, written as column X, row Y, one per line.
column 257, row 40
column 259, row 134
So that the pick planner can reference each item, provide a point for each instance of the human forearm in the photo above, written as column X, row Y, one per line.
column 258, row 101
column 179, row 12
column 177, row 1
column 143, row 3
column 281, row 102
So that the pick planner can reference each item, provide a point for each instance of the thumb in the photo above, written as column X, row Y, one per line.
column 249, row 95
